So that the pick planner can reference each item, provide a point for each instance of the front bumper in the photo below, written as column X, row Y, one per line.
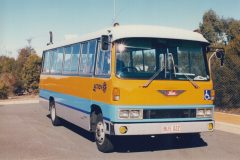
column 163, row 128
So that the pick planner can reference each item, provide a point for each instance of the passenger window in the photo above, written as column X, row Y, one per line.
column 46, row 65
column 103, row 64
column 84, row 59
column 92, row 51
column 59, row 60
column 67, row 59
column 75, row 58
column 54, row 61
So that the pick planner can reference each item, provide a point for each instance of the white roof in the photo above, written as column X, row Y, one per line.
column 155, row 32
column 140, row 31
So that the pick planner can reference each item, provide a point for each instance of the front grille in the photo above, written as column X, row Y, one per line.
column 168, row 113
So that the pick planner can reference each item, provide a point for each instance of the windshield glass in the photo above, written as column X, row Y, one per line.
column 140, row 58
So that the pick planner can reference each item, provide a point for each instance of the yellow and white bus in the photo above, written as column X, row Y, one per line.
column 130, row 80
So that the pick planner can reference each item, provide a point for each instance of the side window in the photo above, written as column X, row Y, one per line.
column 92, row 52
column 84, row 59
column 54, row 55
column 75, row 57
column 67, row 59
column 59, row 60
column 103, row 64
column 46, row 64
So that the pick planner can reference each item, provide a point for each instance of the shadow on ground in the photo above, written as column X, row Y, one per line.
column 144, row 143
column 76, row 129
column 162, row 142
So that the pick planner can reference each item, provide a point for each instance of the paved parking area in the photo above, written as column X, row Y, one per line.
column 27, row 133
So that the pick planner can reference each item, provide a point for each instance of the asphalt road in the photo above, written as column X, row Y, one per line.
column 26, row 133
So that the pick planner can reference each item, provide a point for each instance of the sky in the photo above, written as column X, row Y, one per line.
column 33, row 19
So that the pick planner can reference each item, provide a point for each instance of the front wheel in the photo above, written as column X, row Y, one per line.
column 103, row 141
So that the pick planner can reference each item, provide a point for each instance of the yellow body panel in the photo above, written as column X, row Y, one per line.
column 81, row 87
column 131, row 91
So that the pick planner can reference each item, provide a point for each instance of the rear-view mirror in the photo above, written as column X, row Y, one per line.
column 105, row 40
column 220, row 55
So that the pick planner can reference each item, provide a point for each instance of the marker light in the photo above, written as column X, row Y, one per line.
column 116, row 94
column 123, row 129
column 210, row 126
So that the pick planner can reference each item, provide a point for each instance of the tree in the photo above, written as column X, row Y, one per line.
column 7, row 82
column 212, row 26
column 23, row 55
column 7, row 76
column 3, row 91
column 17, row 76
column 31, row 73
column 232, row 29
column 226, row 79
column 7, row 65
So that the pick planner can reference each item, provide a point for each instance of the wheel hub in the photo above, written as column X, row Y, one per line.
column 100, row 134
column 53, row 113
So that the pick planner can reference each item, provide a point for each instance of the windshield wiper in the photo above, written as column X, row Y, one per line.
column 152, row 78
column 191, row 81
column 195, row 85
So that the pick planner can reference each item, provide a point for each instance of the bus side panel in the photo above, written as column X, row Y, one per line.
column 74, row 116
column 71, row 108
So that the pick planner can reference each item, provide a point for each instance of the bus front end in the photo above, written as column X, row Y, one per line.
column 160, row 86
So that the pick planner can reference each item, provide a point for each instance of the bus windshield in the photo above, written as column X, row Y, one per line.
column 141, row 58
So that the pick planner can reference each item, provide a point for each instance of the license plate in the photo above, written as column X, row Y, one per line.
column 171, row 129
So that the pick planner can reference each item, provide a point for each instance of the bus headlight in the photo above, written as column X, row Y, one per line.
column 208, row 112
column 130, row 113
column 124, row 114
column 200, row 113
column 204, row 112
column 136, row 114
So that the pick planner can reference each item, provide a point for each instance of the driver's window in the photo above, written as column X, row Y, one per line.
column 123, row 60
column 138, row 60
column 149, row 60
column 144, row 60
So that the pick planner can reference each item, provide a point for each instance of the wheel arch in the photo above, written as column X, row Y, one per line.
column 51, row 100
column 95, row 111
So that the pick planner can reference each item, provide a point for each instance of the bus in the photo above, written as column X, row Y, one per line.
column 130, row 80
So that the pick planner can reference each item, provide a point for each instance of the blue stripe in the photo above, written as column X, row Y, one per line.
column 110, row 112
column 72, row 107
column 77, row 109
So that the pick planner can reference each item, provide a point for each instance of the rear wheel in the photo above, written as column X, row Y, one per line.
column 103, row 141
column 55, row 119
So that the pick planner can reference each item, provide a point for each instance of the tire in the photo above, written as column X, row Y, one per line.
column 53, row 114
column 103, row 141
